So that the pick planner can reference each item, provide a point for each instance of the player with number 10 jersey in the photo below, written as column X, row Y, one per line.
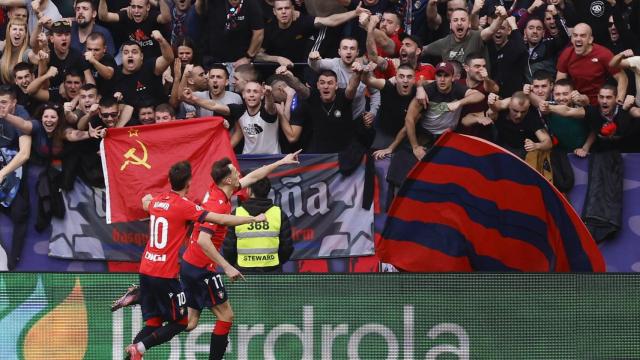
column 160, row 256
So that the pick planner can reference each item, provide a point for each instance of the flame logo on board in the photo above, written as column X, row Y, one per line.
column 62, row 333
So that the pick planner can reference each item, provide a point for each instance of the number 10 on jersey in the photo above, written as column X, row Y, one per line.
column 159, row 232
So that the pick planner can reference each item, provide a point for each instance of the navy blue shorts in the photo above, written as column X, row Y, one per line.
column 164, row 298
column 204, row 288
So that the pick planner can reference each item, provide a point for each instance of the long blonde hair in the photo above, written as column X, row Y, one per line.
column 11, row 57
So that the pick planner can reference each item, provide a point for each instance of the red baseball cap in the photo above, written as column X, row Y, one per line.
column 445, row 67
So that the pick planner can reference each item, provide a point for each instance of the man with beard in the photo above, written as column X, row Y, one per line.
column 587, row 64
column 139, row 21
column 257, row 121
column 342, row 67
column 101, row 64
column 473, row 119
column 409, row 53
column 507, row 52
column 287, row 40
column 446, row 99
column 193, row 77
column 218, row 79
column 385, row 32
column 386, row 36
column 63, row 57
column 463, row 40
column 542, row 50
column 139, row 78
column 85, row 24
column 435, row 27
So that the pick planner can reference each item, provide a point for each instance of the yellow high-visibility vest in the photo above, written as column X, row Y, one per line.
column 258, row 242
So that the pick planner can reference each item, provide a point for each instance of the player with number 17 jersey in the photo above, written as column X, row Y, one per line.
column 215, row 201
column 170, row 217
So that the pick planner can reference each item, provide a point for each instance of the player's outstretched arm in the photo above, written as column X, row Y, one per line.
column 262, row 172
column 232, row 220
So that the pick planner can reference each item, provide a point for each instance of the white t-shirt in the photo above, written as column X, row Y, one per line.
column 260, row 130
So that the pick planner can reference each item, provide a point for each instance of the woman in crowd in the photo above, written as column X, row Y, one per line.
column 49, row 132
column 16, row 49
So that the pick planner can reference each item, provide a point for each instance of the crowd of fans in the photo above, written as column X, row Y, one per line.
column 384, row 77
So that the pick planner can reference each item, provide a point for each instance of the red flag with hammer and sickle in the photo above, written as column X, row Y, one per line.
column 136, row 161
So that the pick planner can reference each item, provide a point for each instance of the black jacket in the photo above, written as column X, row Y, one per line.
column 255, row 207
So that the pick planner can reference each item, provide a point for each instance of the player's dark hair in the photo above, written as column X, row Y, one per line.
column 220, row 170
column 260, row 189
column 179, row 175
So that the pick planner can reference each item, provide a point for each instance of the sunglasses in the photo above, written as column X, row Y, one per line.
column 109, row 115
column 61, row 22
column 611, row 24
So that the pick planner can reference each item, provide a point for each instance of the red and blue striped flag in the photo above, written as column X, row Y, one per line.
column 471, row 205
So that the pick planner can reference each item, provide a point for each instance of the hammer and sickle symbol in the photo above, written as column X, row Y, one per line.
column 133, row 159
